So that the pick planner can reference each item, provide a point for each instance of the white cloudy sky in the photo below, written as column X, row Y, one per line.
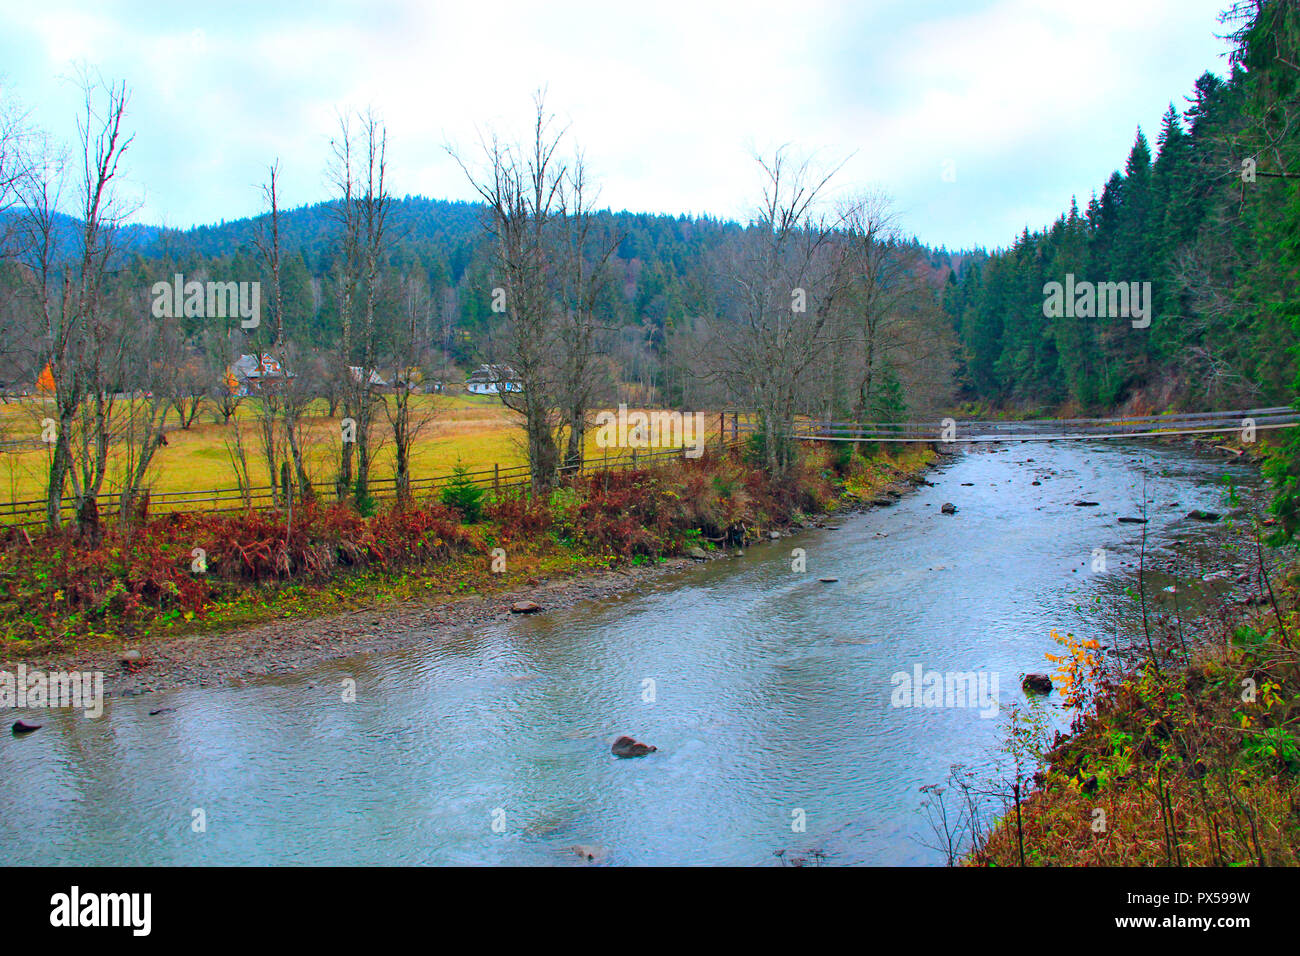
column 1031, row 100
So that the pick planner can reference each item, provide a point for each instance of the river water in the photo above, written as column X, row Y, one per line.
column 767, row 692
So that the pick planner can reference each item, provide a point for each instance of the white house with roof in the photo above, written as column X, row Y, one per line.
column 493, row 380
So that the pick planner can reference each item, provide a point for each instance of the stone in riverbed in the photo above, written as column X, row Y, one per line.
column 697, row 554
column 1086, row 504
column 130, row 657
column 1037, row 683
column 948, row 508
column 628, row 747
column 828, row 580
column 1196, row 514
column 21, row 727
column 1132, row 520
column 525, row 607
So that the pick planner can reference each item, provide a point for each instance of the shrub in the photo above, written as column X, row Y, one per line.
column 462, row 494
column 517, row 515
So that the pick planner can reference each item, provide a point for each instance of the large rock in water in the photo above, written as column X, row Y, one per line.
column 697, row 553
column 1038, row 683
column 21, row 727
column 1196, row 514
column 525, row 607
column 948, row 508
column 627, row 747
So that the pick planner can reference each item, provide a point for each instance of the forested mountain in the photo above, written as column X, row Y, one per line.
column 1209, row 215
column 665, row 278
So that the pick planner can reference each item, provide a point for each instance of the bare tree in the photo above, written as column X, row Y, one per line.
column 83, row 351
column 584, row 276
column 224, row 388
column 408, row 363
column 282, row 406
column 363, row 220
column 551, row 272
column 153, row 363
column 784, row 277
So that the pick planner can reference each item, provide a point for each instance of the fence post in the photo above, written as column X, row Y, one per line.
column 496, row 479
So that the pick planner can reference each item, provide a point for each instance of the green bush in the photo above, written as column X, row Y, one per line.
column 462, row 494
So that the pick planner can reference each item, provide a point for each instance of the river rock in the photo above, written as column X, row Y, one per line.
column 1132, row 520
column 948, row 508
column 828, row 580
column 774, row 535
column 1196, row 514
column 882, row 502
column 130, row 657
column 525, row 607
column 1035, row 482
column 21, row 727
column 589, row 852
column 1037, row 683
column 628, row 747
column 1086, row 504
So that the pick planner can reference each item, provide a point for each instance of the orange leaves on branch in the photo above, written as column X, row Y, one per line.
column 1078, row 669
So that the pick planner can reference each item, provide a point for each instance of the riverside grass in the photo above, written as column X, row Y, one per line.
column 57, row 595
column 475, row 431
column 1195, row 762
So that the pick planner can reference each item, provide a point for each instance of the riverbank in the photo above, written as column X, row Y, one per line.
column 570, row 549
column 1192, row 764
column 1183, row 751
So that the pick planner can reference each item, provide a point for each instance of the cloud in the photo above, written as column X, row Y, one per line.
column 1029, row 105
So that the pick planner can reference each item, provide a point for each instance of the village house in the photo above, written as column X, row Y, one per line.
column 252, row 373
column 492, row 380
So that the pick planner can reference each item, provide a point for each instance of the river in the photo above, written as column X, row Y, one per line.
column 767, row 692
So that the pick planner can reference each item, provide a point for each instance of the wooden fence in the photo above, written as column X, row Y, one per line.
column 230, row 500
column 1048, row 429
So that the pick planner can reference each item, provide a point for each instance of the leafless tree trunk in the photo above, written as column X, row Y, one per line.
column 363, row 220
column 785, row 277
column 584, row 276
column 408, row 360
column 82, row 346
column 546, row 338
column 286, row 404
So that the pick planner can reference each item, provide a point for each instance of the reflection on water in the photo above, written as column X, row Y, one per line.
column 771, row 694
